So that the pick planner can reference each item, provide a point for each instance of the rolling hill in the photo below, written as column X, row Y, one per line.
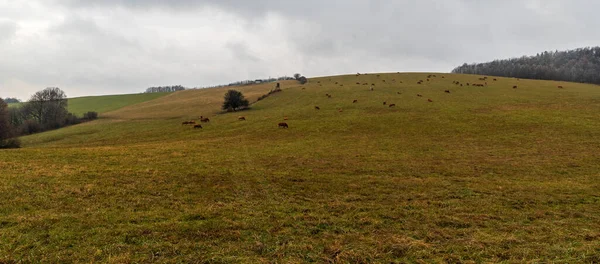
column 479, row 174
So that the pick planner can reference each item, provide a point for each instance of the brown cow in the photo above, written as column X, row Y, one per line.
column 399, row 92
column 355, row 101
column 560, row 87
column 205, row 120
column 419, row 95
column 384, row 103
column 429, row 100
column 515, row 87
column 242, row 118
column 282, row 125
column 495, row 79
column 447, row 91
column 197, row 126
column 187, row 123
column 392, row 105
column 318, row 108
column 285, row 118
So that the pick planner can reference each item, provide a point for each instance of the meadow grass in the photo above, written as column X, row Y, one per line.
column 107, row 103
column 482, row 174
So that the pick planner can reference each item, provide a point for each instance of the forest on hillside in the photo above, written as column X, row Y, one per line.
column 579, row 65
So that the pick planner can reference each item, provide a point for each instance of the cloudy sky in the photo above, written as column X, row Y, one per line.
column 93, row 47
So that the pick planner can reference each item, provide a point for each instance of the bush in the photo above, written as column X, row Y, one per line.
column 303, row 80
column 90, row 115
column 30, row 126
column 10, row 143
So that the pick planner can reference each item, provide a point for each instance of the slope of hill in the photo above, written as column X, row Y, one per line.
column 580, row 65
column 479, row 174
column 107, row 103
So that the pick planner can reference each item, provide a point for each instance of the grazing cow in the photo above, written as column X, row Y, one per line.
column 560, row 87
column 340, row 110
column 355, row 101
column 187, row 123
column 443, row 77
column 372, row 84
column 377, row 75
column 427, row 79
column 205, row 120
column 392, row 105
column 447, row 91
column 384, row 103
column 429, row 100
column 341, row 85
column 319, row 82
column 515, row 87
column 336, row 82
column 318, row 108
column 419, row 95
column 399, row 92
column 357, row 83
column 383, row 80
column 197, row 126
column 283, row 125
column 495, row 79
column 303, row 88
column 242, row 118
column 468, row 84
column 461, row 85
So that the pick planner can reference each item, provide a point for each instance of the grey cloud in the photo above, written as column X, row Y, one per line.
column 7, row 30
column 108, row 46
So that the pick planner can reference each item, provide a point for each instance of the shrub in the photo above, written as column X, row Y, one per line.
column 90, row 115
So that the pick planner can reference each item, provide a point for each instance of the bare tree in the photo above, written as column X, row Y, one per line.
column 48, row 107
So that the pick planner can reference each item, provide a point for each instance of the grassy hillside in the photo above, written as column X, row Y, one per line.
column 480, row 174
column 107, row 103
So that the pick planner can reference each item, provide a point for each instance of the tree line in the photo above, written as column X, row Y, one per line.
column 165, row 89
column 45, row 110
column 579, row 65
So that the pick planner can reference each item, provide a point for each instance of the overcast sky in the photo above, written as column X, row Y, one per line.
column 93, row 47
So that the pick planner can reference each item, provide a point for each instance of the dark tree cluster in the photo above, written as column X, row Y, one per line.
column 7, row 136
column 579, row 65
column 9, row 100
column 45, row 110
column 165, row 89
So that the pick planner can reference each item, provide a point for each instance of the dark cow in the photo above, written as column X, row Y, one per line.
column 242, row 118
column 283, row 125
column 205, row 120
column 188, row 123
column 399, row 93
column 392, row 105
column 355, row 101
column 384, row 103
column 447, row 91
column 419, row 95
column 515, row 87
column 495, row 79
column 197, row 126
column 429, row 100
column 560, row 87
column 318, row 108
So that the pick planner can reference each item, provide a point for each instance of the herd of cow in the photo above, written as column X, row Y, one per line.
column 429, row 77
